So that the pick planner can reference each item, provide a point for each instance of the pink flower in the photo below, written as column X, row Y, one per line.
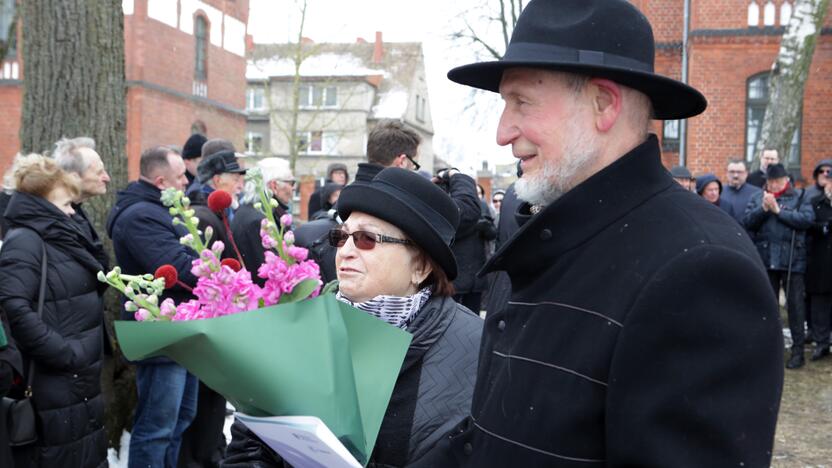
column 143, row 314
column 286, row 220
column 217, row 248
column 266, row 239
column 298, row 253
column 289, row 237
column 168, row 308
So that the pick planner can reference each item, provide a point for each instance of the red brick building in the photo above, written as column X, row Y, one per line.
column 732, row 45
column 185, row 68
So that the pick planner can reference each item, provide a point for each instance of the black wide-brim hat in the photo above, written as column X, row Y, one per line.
column 598, row 38
column 417, row 206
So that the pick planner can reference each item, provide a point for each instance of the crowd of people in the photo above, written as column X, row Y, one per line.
column 790, row 228
column 628, row 322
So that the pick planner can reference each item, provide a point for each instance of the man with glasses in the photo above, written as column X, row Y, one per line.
column 280, row 182
column 767, row 157
column 736, row 195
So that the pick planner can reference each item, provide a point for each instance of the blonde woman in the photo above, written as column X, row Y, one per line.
column 64, row 340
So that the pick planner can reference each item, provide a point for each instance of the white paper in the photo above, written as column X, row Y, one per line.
column 303, row 441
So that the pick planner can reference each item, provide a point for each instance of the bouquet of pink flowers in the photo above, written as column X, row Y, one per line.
column 223, row 287
column 284, row 349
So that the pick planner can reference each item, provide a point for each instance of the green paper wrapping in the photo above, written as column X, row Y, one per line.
column 318, row 357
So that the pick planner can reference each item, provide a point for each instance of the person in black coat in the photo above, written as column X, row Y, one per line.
column 404, row 279
column 819, row 271
column 641, row 329
column 468, row 246
column 145, row 238
column 499, row 289
column 279, row 181
column 335, row 173
column 768, row 156
column 65, row 342
column 777, row 220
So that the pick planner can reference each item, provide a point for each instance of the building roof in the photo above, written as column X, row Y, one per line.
column 393, row 75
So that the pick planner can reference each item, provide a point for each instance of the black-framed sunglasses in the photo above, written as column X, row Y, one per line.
column 364, row 240
column 416, row 166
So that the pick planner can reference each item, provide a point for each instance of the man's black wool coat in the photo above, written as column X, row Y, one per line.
column 641, row 331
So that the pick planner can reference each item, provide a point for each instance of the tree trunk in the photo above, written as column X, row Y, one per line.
column 788, row 77
column 295, row 109
column 74, row 85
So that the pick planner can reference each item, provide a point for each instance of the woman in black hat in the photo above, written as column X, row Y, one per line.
column 394, row 262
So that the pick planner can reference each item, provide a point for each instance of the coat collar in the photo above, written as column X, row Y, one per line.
column 583, row 211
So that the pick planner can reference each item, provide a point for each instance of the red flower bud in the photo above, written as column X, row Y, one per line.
column 169, row 273
column 219, row 200
column 231, row 263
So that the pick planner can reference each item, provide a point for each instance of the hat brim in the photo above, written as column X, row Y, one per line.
column 382, row 205
column 671, row 99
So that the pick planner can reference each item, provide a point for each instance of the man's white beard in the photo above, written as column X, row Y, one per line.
column 553, row 180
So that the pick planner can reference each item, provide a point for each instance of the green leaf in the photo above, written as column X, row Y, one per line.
column 301, row 291
column 330, row 288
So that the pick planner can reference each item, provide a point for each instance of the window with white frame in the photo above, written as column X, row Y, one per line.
column 318, row 96
column 254, row 142
column 6, row 34
column 255, row 98
column 753, row 14
column 768, row 13
column 317, row 142
column 670, row 135
column 201, row 41
column 757, row 97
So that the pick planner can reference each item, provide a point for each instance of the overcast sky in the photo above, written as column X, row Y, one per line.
column 466, row 138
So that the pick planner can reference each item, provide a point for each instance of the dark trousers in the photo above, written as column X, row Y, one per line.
column 203, row 444
column 795, row 303
column 821, row 319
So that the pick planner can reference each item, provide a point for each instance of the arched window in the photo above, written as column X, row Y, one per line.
column 201, row 35
column 753, row 14
column 785, row 13
column 768, row 13
column 757, row 95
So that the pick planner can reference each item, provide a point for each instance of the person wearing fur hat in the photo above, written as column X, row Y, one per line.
column 709, row 187
column 394, row 262
column 777, row 220
column 641, row 329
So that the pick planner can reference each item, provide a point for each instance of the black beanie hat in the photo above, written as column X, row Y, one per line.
column 193, row 147
column 417, row 206
column 776, row 171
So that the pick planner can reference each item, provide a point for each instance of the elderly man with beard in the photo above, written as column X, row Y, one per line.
column 641, row 329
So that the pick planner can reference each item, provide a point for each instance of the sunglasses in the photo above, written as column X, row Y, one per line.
column 416, row 165
column 825, row 171
column 364, row 240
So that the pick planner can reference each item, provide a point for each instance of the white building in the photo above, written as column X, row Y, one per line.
column 345, row 89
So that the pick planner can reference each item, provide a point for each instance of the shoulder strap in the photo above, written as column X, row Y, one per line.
column 41, row 297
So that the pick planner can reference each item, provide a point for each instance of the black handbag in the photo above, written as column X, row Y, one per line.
column 20, row 414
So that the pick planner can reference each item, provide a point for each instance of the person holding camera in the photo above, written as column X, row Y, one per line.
column 475, row 228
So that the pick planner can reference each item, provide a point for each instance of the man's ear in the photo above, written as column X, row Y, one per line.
column 400, row 161
column 606, row 103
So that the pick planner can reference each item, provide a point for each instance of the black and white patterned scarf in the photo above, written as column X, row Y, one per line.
column 398, row 311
